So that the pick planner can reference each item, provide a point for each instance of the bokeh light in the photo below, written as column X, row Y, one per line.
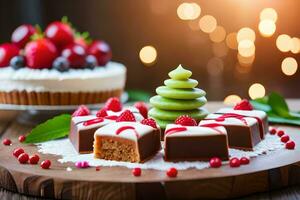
column 193, row 24
column 289, row 66
column 246, row 33
column 208, row 23
column 256, row 90
column 268, row 14
column 283, row 42
column 243, row 68
column 148, row 55
column 267, row 28
column 246, row 48
column 188, row 11
column 232, row 100
column 231, row 40
column 295, row 45
column 218, row 35
column 220, row 49
column 215, row 66
column 245, row 61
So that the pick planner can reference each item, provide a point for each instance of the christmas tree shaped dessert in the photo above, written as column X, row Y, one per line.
column 179, row 96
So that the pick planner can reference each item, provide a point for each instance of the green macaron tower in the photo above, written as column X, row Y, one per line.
column 179, row 96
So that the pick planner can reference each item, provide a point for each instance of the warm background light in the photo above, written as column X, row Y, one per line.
column 148, row 55
column 267, row 28
column 232, row 99
column 256, row 90
column 246, row 48
column 283, row 42
column 268, row 14
column 245, row 61
column 188, row 11
column 208, row 23
column 289, row 66
column 220, row 49
column 246, row 34
column 215, row 66
column 295, row 45
column 218, row 35
column 231, row 40
column 243, row 68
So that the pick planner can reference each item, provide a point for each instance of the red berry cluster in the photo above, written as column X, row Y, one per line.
column 186, row 120
column 289, row 144
column 59, row 46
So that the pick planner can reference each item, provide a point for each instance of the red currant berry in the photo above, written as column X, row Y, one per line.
column 244, row 161
column 285, row 138
column 234, row 162
column 290, row 145
column 280, row 133
column 18, row 151
column 6, row 142
column 46, row 164
column 23, row 158
column 22, row 138
column 34, row 159
column 215, row 162
column 172, row 172
column 98, row 168
column 272, row 131
column 137, row 171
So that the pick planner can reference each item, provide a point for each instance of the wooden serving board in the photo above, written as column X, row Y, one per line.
column 264, row 173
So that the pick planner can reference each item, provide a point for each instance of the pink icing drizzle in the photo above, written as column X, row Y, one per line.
column 111, row 117
column 124, row 128
column 175, row 130
column 93, row 121
column 212, row 126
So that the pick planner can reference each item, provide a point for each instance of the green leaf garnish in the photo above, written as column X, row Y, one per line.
column 54, row 128
column 278, row 105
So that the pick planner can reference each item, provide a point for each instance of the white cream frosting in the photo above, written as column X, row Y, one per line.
column 194, row 131
column 250, row 113
column 111, row 129
column 109, row 77
column 228, row 121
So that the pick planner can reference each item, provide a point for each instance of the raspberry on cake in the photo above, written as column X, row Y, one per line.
column 189, row 143
column 243, row 132
column 127, row 141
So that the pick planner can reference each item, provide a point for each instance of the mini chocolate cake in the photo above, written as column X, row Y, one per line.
column 243, row 132
column 126, row 141
column 190, row 143
column 260, row 116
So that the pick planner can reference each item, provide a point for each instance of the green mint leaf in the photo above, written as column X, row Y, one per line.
column 260, row 106
column 54, row 128
column 273, row 118
column 278, row 105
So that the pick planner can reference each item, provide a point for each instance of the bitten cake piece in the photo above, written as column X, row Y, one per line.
column 190, row 143
column 244, row 108
column 243, row 132
column 127, row 141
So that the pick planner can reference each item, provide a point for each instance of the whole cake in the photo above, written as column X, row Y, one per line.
column 57, row 67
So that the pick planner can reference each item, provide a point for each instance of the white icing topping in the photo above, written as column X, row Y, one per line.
column 228, row 121
column 250, row 113
column 110, row 77
column 111, row 130
column 194, row 131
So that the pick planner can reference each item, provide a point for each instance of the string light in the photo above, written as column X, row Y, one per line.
column 208, row 23
column 188, row 11
column 218, row 35
column 283, row 42
column 246, row 33
column 232, row 99
column 289, row 66
column 256, row 90
column 148, row 55
column 268, row 14
column 267, row 28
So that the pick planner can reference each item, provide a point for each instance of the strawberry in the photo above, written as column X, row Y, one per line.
column 22, row 34
column 7, row 52
column 81, row 111
column 40, row 53
column 60, row 33
column 185, row 120
column 243, row 105
column 150, row 122
column 126, row 116
column 102, row 113
column 75, row 54
column 101, row 50
column 143, row 109
column 113, row 104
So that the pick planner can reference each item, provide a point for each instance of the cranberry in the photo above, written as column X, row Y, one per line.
column 22, row 138
column 234, row 162
column 34, row 159
column 23, row 158
column 98, row 168
column 280, row 133
column 46, row 164
column 290, row 145
column 244, row 161
column 172, row 172
column 285, row 138
column 215, row 162
column 137, row 171
column 18, row 151
column 6, row 142
column 272, row 131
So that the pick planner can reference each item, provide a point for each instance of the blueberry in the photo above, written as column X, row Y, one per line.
column 61, row 64
column 91, row 61
column 17, row 62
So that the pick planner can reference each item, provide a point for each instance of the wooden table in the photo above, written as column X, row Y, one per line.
column 287, row 177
